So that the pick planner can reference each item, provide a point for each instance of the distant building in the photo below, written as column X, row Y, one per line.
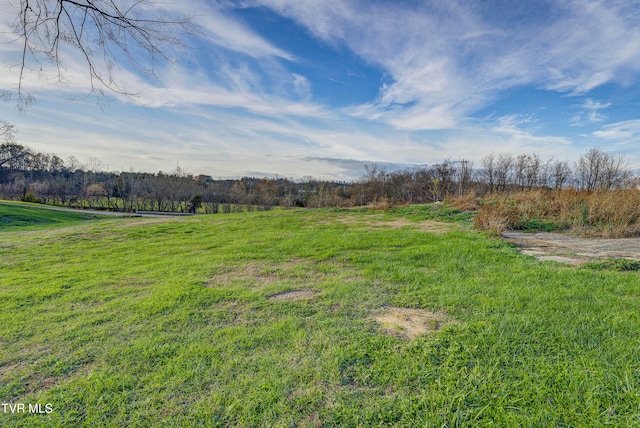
column 203, row 179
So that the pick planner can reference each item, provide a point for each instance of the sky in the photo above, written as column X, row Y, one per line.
column 320, row 88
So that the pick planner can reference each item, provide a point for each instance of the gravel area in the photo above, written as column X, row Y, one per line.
column 573, row 250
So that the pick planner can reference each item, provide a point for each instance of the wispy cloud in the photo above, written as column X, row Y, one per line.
column 624, row 132
column 226, row 31
column 446, row 60
column 454, row 79
column 302, row 86
column 513, row 126
column 213, row 21
column 590, row 113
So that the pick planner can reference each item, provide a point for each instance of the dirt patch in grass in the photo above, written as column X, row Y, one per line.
column 293, row 296
column 429, row 226
column 378, row 222
column 143, row 222
column 8, row 368
column 39, row 383
column 133, row 282
column 261, row 274
column 35, row 381
column 573, row 250
column 236, row 274
column 409, row 323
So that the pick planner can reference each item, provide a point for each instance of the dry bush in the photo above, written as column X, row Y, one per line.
column 614, row 213
column 467, row 202
column 495, row 217
column 347, row 203
column 604, row 213
column 532, row 204
column 570, row 205
column 381, row 204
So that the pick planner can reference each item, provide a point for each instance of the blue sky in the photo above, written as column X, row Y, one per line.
column 320, row 88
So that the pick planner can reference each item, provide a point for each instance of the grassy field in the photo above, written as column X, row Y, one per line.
column 286, row 318
column 21, row 216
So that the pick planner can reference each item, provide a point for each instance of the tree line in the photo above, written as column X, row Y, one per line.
column 502, row 173
column 34, row 176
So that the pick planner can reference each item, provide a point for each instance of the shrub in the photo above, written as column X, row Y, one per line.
column 495, row 217
column 30, row 197
column 605, row 213
column 381, row 204
column 466, row 202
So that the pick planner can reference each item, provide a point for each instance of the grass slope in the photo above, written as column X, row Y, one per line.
column 20, row 215
column 150, row 322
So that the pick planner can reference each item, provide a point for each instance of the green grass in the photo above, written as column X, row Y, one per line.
column 168, row 322
column 15, row 215
column 614, row 264
column 445, row 212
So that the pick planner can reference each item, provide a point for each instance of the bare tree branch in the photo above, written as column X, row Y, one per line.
column 7, row 132
column 108, row 34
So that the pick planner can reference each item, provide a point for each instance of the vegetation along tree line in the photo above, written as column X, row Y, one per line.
column 29, row 175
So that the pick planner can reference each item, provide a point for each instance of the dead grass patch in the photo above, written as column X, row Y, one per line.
column 258, row 275
column 18, row 356
column 378, row 222
column 252, row 274
column 38, row 383
column 293, row 296
column 34, row 382
column 8, row 368
column 312, row 421
column 142, row 222
column 410, row 323
column 429, row 226
column 133, row 282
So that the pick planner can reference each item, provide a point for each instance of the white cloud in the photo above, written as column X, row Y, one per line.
column 446, row 60
column 512, row 126
column 590, row 113
column 425, row 91
column 234, row 106
column 230, row 43
column 223, row 30
column 624, row 132
column 590, row 104
column 302, row 86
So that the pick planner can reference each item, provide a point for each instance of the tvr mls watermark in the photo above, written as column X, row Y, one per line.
column 34, row 409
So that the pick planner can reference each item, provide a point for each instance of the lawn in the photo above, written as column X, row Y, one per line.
column 16, row 215
column 281, row 318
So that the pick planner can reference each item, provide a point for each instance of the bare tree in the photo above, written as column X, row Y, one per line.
column 503, row 171
column 401, row 185
column 526, row 170
column 465, row 176
column 597, row 169
column 442, row 179
column 11, row 153
column 322, row 197
column 105, row 33
column 7, row 132
column 616, row 172
column 488, row 171
column 267, row 193
column 560, row 174
column 375, row 179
